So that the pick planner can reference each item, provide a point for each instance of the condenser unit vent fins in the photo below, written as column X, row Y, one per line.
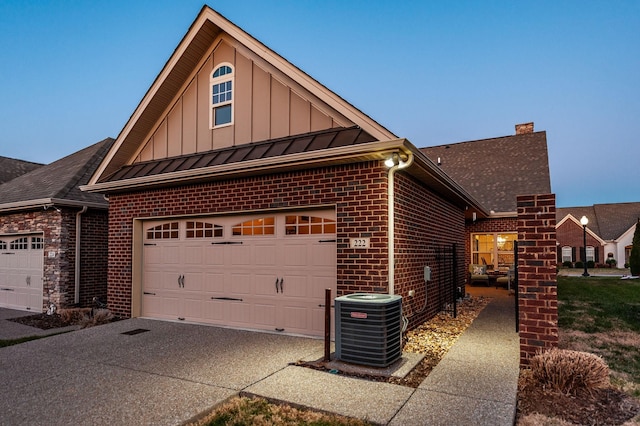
column 369, row 329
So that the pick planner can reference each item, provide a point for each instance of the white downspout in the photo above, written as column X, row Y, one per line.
column 76, row 298
column 391, row 217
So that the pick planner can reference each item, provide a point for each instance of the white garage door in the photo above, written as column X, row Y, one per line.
column 265, row 272
column 21, row 262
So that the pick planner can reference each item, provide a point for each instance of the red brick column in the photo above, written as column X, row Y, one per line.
column 537, row 288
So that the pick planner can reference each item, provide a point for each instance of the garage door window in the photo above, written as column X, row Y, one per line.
column 203, row 230
column 262, row 226
column 19, row 244
column 37, row 243
column 165, row 231
column 3, row 245
column 305, row 225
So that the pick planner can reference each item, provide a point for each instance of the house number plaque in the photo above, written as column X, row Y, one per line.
column 359, row 243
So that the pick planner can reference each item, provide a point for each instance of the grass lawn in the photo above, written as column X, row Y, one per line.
column 601, row 315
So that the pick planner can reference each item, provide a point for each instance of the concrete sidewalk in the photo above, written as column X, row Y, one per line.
column 165, row 373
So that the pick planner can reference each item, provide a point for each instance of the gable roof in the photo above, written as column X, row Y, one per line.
column 608, row 221
column 11, row 168
column 495, row 171
column 57, row 183
column 198, row 39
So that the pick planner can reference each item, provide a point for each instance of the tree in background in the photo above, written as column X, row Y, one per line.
column 634, row 258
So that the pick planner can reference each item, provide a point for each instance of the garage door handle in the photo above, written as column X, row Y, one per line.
column 281, row 281
column 28, row 280
column 234, row 299
column 327, row 241
column 7, row 289
column 277, row 285
column 150, row 294
column 226, row 242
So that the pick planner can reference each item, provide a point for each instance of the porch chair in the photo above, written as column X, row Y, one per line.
column 506, row 280
column 478, row 274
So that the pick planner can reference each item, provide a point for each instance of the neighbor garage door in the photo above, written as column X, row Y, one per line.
column 266, row 271
column 21, row 258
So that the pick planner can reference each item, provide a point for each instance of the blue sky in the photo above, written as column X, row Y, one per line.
column 434, row 72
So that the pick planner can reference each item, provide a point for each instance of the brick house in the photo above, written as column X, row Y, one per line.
column 609, row 233
column 495, row 172
column 241, row 188
column 44, row 221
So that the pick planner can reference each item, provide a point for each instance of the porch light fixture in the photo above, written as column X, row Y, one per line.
column 584, row 221
column 395, row 160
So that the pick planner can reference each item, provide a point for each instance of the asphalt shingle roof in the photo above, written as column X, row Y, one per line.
column 495, row 171
column 11, row 168
column 60, row 179
column 608, row 221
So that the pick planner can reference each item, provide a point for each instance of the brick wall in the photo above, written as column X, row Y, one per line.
column 424, row 223
column 537, row 288
column 358, row 192
column 93, row 256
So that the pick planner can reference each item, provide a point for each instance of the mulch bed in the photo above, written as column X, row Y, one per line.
column 605, row 407
column 43, row 321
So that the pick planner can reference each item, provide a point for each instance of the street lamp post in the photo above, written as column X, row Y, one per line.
column 584, row 221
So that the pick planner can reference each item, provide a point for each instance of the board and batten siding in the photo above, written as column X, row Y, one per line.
column 265, row 107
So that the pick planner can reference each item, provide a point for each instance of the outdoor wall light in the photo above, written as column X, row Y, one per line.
column 395, row 160
column 584, row 221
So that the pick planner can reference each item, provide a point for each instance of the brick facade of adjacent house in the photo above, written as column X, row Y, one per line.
column 58, row 228
column 357, row 191
column 573, row 236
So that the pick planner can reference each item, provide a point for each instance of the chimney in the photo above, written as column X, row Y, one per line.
column 523, row 128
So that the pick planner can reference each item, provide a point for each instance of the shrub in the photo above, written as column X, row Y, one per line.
column 100, row 316
column 611, row 262
column 579, row 264
column 634, row 257
column 567, row 264
column 570, row 372
column 591, row 264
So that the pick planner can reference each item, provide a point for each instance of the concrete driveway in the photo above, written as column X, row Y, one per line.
column 162, row 376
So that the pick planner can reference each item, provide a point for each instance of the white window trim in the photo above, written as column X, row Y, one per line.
column 569, row 250
column 217, row 80
column 590, row 254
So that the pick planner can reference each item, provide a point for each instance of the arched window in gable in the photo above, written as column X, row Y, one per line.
column 221, row 96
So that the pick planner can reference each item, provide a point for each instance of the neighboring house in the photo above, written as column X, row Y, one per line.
column 609, row 233
column 44, row 220
column 495, row 171
column 11, row 168
column 241, row 188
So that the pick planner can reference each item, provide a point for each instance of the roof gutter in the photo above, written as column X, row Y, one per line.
column 48, row 202
column 371, row 151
